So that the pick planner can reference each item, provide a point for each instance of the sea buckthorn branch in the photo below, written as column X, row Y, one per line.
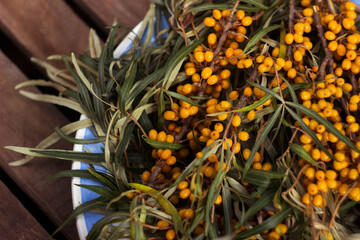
column 291, row 25
column 328, row 58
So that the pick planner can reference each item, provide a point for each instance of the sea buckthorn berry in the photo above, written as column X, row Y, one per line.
column 169, row 115
column 248, row 63
column 246, row 21
column 348, row 23
column 333, row 45
column 248, row 92
column 229, row 142
column 162, row 224
column 190, row 71
column 236, row 121
column 216, row 14
column 171, row 160
column 298, row 38
column 308, row 12
column 346, row 64
column 153, row 134
column 182, row 185
column 354, row 127
column 347, row 87
column 185, row 193
column 145, row 176
column 170, row 138
column 208, row 56
column 306, row 199
column 234, row 95
column 291, row 73
column 170, row 234
column 246, row 153
column 351, row 55
column 213, row 79
column 257, row 165
column 318, row 200
column 206, row 73
column 199, row 56
column 343, row 188
column 275, row 52
column 225, row 13
column 350, row 119
column 222, row 116
column 322, row 186
column 353, row 174
column 212, row 38
column 312, row 189
column 289, row 38
column 209, row 172
column 184, row 113
column 354, row 193
column 330, row 35
column 209, row 22
column 251, row 115
column 299, row 28
column 225, row 74
column 267, row 167
column 310, row 173
column 331, row 174
column 229, row 52
column 243, row 136
column 305, row 95
column 240, row 14
column 219, row 127
column 298, row 56
column 193, row 110
column 355, row 99
column 260, row 58
column 218, row 200
column 161, row 137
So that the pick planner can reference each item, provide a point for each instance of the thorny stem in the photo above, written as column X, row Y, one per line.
column 327, row 59
column 152, row 179
column 291, row 25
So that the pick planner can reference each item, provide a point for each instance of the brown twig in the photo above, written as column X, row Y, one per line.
column 258, row 16
column 327, row 61
column 340, row 202
column 152, row 179
column 291, row 25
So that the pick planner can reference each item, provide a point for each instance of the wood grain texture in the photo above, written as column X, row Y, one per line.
column 42, row 27
column 25, row 123
column 127, row 13
column 17, row 222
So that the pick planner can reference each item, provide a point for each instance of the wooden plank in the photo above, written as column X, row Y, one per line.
column 17, row 222
column 25, row 123
column 42, row 27
column 127, row 13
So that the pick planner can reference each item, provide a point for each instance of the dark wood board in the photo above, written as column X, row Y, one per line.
column 103, row 13
column 25, row 123
column 17, row 222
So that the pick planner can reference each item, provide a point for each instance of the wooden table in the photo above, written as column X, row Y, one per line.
column 30, row 209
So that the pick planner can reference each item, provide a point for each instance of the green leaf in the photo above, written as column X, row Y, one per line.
column 227, row 202
column 163, row 145
column 260, row 139
column 310, row 132
column 72, row 173
column 267, row 224
column 85, row 207
column 259, row 35
column 104, row 179
column 93, row 158
column 102, row 191
column 165, row 204
column 264, row 200
column 268, row 91
column 182, row 97
column 78, row 141
column 206, row 7
column 301, row 152
column 173, row 67
column 161, row 109
column 257, row 104
column 326, row 123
